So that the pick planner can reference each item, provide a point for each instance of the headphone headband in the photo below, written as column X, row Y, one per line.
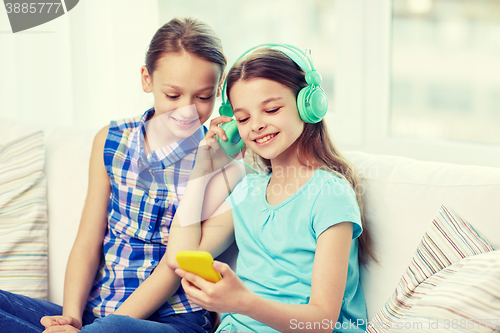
column 300, row 58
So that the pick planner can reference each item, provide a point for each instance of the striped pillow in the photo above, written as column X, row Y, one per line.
column 23, row 217
column 464, row 297
column 448, row 240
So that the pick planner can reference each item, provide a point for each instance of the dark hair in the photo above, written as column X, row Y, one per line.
column 186, row 34
column 314, row 144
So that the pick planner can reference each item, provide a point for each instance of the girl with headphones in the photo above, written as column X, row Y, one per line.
column 298, row 226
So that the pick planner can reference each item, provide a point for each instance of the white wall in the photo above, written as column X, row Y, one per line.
column 81, row 69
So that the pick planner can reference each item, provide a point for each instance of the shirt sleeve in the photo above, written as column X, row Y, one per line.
column 336, row 203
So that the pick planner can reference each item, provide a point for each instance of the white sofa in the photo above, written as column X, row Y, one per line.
column 402, row 196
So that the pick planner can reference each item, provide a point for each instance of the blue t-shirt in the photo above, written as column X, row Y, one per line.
column 277, row 244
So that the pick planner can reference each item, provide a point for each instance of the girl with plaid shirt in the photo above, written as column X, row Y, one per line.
column 138, row 172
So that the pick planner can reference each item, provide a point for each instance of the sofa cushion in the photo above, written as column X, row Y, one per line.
column 464, row 297
column 448, row 240
column 66, row 168
column 402, row 196
column 23, row 216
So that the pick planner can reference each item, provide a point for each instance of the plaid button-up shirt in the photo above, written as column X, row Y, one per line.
column 145, row 194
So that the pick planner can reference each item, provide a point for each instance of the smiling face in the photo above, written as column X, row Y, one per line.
column 181, row 80
column 267, row 116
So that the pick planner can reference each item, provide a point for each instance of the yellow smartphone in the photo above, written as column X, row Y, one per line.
column 199, row 263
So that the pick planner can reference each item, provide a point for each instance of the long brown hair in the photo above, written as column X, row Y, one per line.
column 186, row 34
column 314, row 144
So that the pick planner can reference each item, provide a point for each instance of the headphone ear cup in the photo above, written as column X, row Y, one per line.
column 301, row 104
column 234, row 144
column 312, row 104
column 226, row 110
column 318, row 103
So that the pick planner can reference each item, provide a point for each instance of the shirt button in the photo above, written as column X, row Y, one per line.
column 150, row 228
column 152, row 262
column 157, row 200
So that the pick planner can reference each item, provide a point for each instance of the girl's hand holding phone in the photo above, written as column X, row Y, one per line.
column 228, row 295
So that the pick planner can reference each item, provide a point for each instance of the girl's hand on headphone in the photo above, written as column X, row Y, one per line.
column 228, row 295
column 216, row 130
column 211, row 158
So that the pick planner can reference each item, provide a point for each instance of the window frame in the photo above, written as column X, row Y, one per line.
column 363, row 80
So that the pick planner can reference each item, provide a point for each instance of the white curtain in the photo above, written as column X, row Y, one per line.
column 81, row 69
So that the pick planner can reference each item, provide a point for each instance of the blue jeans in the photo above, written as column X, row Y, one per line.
column 21, row 314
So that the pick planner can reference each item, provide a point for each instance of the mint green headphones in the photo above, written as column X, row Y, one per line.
column 312, row 103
